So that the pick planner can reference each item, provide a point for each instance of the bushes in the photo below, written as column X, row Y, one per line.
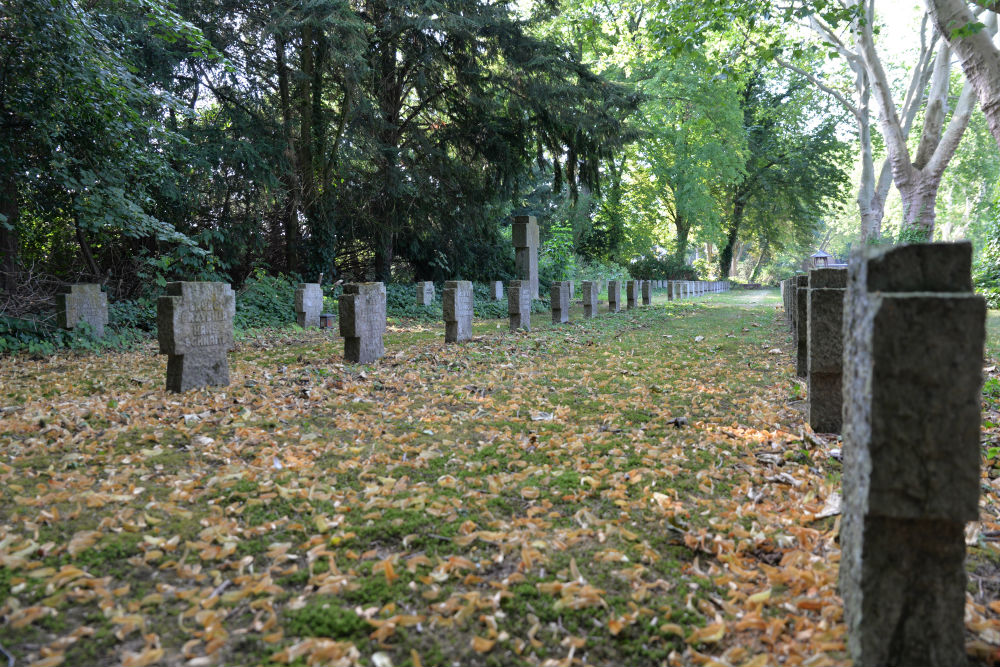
column 266, row 301
column 667, row 268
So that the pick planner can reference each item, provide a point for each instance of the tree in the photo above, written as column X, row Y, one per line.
column 975, row 48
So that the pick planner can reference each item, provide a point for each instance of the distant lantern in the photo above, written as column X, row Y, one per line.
column 820, row 259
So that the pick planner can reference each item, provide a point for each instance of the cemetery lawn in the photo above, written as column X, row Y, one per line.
column 637, row 489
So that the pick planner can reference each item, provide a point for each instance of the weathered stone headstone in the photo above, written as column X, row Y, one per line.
column 362, row 321
column 826, row 348
column 647, row 292
column 84, row 302
column 559, row 293
column 913, row 355
column 631, row 294
column 456, row 302
column 525, row 236
column 496, row 290
column 425, row 293
column 194, row 326
column 614, row 296
column 519, row 304
column 801, row 326
column 308, row 304
column 571, row 289
column 590, row 292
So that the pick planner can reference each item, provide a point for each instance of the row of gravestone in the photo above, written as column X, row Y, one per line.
column 892, row 351
column 195, row 319
column 682, row 289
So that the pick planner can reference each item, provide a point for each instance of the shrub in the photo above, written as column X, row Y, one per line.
column 666, row 268
column 266, row 301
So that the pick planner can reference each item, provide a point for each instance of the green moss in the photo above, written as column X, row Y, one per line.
column 324, row 617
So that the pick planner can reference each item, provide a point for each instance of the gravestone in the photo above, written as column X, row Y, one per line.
column 519, row 304
column 614, row 296
column 362, row 321
column 913, row 355
column 631, row 294
column 647, row 292
column 801, row 325
column 84, row 302
column 571, row 289
column 496, row 290
column 559, row 293
column 826, row 348
column 425, row 293
column 308, row 304
column 456, row 301
column 525, row 236
column 194, row 327
column 590, row 291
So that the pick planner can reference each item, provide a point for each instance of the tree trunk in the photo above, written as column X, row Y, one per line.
column 289, row 212
column 9, row 242
column 88, row 256
column 919, row 195
column 978, row 54
column 683, row 229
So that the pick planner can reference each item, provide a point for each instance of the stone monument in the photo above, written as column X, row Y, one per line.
column 362, row 321
column 496, row 290
column 614, row 296
column 84, row 302
column 308, row 304
column 525, row 236
column 913, row 359
column 559, row 293
column 647, row 292
column 425, row 293
column 590, row 291
column 456, row 301
column 631, row 294
column 826, row 348
column 519, row 304
column 194, row 326
column 801, row 325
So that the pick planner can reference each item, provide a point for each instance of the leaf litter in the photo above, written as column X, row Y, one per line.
column 518, row 500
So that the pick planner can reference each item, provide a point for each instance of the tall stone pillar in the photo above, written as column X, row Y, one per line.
column 590, row 290
column 913, row 358
column 525, row 236
column 801, row 325
column 614, row 296
column 826, row 348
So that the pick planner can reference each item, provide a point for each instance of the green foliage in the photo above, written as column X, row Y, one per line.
column 666, row 267
column 138, row 314
column 324, row 617
column 986, row 270
column 265, row 301
column 37, row 336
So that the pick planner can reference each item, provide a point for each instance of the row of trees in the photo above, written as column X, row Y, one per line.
column 142, row 139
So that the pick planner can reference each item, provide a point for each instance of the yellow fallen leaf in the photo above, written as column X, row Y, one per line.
column 710, row 634
column 483, row 645
column 51, row 661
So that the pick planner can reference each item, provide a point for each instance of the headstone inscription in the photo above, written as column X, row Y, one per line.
column 913, row 355
column 456, row 301
column 362, row 321
column 308, row 304
column 83, row 302
column 194, row 327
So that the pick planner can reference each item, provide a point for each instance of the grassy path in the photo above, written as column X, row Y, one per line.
column 638, row 489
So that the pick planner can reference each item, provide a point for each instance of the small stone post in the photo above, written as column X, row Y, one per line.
column 519, row 304
column 84, row 302
column 362, row 321
column 801, row 326
column 590, row 290
column 496, row 290
column 826, row 348
column 559, row 293
column 913, row 359
column 457, row 304
column 425, row 293
column 308, row 304
column 631, row 294
column 194, row 327
column 647, row 292
column 614, row 296
column 525, row 236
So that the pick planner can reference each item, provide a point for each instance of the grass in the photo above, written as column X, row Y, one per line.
column 507, row 501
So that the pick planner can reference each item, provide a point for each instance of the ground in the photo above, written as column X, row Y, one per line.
column 637, row 489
